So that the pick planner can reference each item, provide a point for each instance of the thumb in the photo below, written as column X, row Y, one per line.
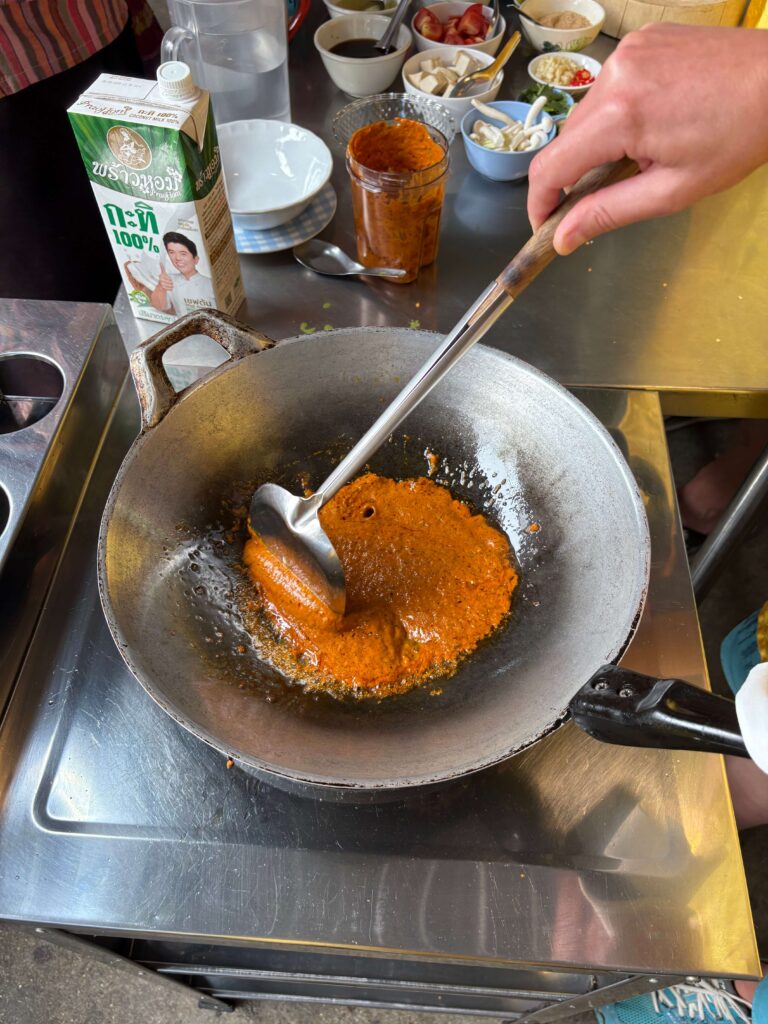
column 162, row 265
column 655, row 192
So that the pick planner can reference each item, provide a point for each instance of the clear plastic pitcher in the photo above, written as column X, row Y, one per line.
column 238, row 51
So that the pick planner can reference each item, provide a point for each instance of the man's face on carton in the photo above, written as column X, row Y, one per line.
column 182, row 258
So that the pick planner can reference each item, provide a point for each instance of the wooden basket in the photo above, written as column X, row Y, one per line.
column 622, row 16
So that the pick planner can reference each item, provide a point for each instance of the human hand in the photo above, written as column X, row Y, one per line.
column 164, row 281
column 686, row 103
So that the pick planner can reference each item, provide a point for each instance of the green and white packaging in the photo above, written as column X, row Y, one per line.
column 151, row 152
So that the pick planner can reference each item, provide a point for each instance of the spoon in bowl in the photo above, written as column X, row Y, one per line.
column 327, row 258
column 386, row 43
column 525, row 14
column 475, row 81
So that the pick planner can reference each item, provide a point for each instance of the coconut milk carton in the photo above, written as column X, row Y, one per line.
column 151, row 152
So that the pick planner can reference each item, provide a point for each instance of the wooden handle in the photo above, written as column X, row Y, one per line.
column 538, row 252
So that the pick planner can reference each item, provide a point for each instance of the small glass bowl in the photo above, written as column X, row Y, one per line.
column 386, row 107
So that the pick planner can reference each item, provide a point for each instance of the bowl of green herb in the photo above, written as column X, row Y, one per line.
column 558, row 104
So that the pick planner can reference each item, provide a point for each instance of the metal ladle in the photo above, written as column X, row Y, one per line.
column 290, row 526
column 327, row 258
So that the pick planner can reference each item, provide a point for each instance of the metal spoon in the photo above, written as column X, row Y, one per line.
column 524, row 14
column 494, row 21
column 326, row 258
column 363, row 5
column 472, row 82
column 290, row 526
column 385, row 44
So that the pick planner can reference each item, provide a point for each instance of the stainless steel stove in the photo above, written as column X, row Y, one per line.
column 568, row 876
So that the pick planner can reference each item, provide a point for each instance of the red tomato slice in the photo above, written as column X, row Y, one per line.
column 473, row 21
column 452, row 38
column 423, row 16
column 429, row 25
column 471, row 40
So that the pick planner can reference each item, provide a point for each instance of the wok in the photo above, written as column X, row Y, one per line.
column 512, row 442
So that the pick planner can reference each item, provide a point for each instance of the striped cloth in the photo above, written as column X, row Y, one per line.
column 40, row 38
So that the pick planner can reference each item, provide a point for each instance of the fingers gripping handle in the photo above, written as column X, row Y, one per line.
column 155, row 391
column 538, row 252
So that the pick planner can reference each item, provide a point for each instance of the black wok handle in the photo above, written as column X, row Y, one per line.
column 619, row 706
column 157, row 395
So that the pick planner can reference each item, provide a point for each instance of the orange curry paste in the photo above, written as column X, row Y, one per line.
column 397, row 172
column 426, row 581
column 395, row 146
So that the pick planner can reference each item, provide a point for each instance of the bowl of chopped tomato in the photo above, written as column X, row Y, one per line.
column 457, row 25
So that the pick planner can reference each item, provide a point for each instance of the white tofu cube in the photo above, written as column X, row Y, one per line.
column 429, row 84
column 463, row 63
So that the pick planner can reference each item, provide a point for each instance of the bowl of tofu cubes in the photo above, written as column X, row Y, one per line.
column 435, row 72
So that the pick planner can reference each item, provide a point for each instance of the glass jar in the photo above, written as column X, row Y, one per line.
column 397, row 214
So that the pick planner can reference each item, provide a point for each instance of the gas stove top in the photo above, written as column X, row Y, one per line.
column 574, row 856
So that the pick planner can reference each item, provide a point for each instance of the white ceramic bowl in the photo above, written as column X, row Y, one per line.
column 361, row 76
column 339, row 12
column 458, row 107
column 448, row 9
column 592, row 65
column 571, row 39
column 273, row 170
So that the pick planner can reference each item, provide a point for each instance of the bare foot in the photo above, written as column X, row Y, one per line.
column 704, row 498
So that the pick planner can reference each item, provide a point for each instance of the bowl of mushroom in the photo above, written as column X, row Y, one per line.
column 435, row 72
column 501, row 139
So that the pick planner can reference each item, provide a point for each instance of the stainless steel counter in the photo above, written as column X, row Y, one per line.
column 573, row 857
column 675, row 305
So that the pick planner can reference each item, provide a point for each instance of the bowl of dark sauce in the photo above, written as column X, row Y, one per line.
column 347, row 48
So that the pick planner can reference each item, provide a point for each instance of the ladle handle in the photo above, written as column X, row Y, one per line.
column 619, row 706
column 156, row 394
column 390, row 33
column 538, row 252
column 535, row 255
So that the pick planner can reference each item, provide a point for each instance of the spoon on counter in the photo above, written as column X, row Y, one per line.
column 327, row 258
column 290, row 526
column 475, row 81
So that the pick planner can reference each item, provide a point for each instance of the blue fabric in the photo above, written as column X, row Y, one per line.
column 640, row 1010
column 739, row 653
column 760, row 1003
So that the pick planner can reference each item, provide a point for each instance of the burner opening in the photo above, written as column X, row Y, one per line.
column 30, row 387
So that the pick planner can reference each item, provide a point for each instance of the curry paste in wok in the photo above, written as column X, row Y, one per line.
column 426, row 581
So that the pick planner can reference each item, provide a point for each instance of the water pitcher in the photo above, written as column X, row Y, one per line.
column 238, row 51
